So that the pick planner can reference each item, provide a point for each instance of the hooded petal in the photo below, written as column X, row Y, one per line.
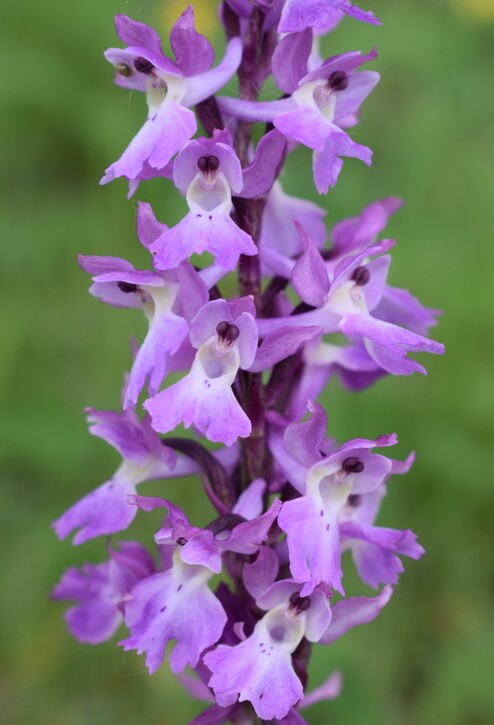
column 260, row 175
column 310, row 276
column 241, row 311
column 193, row 52
column 185, row 166
column 304, row 440
column 290, row 60
column 203, row 85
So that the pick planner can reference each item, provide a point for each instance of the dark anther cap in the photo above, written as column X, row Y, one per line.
column 143, row 66
column 361, row 276
column 338, row 80
column 227, row 331
column 207, row 164
column 301, row 604
column 127, row 287
column 352, row 464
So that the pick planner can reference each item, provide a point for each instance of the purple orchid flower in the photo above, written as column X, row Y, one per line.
column 298, row 15
column 352, row 363
column 178, row 603
column 106, row 509
column 326, row 483
column 216, row 715
column 170, row 87
column 169, row 300
column 225, row 336
column 242, row 531
column 259, row 669
column 344, row 299
column 349, row 237
column 208, row 172
column 101, row 591
column 310, row 521
column 321, row 104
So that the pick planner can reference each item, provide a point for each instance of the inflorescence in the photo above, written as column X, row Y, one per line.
column 288, row 499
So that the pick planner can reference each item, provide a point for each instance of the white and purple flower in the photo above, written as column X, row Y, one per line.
column 106, row 510
column 169, row 300
column 259, row 669
column 225, row 336
column 177, row 603
column 171, row 88
column 321, row 103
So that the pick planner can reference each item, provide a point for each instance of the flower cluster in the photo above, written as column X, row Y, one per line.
column 288, row 499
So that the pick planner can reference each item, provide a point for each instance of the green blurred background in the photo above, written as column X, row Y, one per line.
column 428, row 658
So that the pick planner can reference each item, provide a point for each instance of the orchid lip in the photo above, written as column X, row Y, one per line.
column 208, row 192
